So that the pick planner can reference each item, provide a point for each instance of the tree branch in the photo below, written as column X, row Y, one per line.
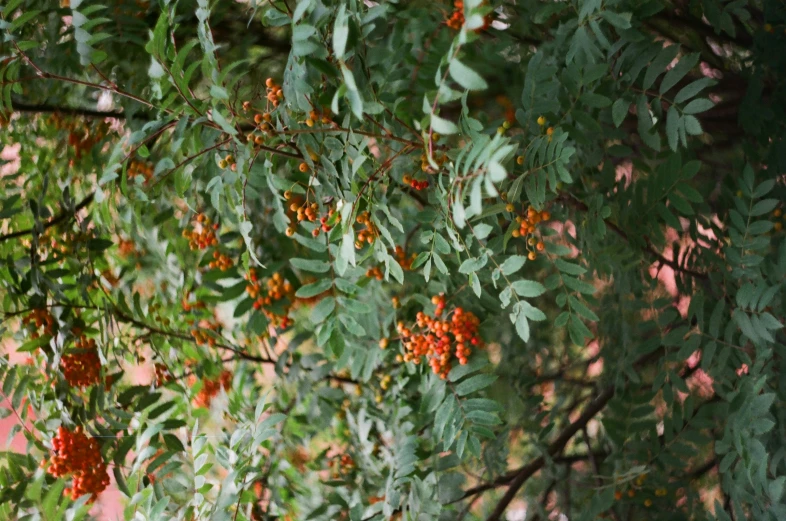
column 51, row 222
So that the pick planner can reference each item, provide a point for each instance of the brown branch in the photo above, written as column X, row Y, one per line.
column 51, row 222
column 673, row 264
column 528, row 470
column 71, row 111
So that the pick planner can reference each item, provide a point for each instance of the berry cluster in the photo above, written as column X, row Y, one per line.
column 211, row 387
column 438, row 339
column 456, row 20
column 80, row 456
column 341, row 464
column 308, row 212
column 439, row 159
column 126, row 247
column 139, row 168
column 403, row 260
column 221, row 261
column 367, row 234
column 275, row 288
column 83, row 368
column 274, row 92
column 314, row 116
column 776, row 214
column 202, row 337
column 375, row 272
column 80, row 135
column 188, row 307
column 527, row 226
column 414, row 183
column 42, row 319
column 228, row 161
column 203, row 235
column 162, row 375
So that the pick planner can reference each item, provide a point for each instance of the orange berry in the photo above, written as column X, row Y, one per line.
column 532, row 256
column 303, row 167
column 540, row 246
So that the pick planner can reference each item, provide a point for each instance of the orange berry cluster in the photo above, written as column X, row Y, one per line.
column 375, row 272
column 80, row 456
column 367, row 234
column 188, row 307
column 414, row 183
column 308, row 212
column 211, row 387
column 314, row 116
column 527, row 226
column 42, row 319
column 439, row 159
column 222, row 261
column 139, row 168
column 275, row 288
column 162, row 375
column 439, row 339
column 228, row 161
column 274, row 92
column 202, row 337
column 403, row 260
column 456, row 20
column 204, row 236
column 82, row 369
column 126, row 247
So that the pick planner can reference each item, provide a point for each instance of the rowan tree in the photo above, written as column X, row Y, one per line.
column 382, row 260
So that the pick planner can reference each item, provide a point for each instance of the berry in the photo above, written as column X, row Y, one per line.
column 82, row 368
column 303, row 167
column 79, row 456
column 532, row 256
column 541, row 121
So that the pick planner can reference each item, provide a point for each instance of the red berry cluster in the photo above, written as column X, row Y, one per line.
column 211, row 387
column 274, row 92
column 274, row 289
column 80, row 456
column 83, row 368
column 203, row 235
column 42, row 319
column 456, row 20
column 162, row 375
column 341, row 464
column 414, row 183
column 438, row 339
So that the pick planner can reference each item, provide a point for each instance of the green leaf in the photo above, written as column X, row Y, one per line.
column 528, row 288
column 473, row 264
column 618, row 20
column 443, row 126
column 678, row 72
column 512, row 264
column 466, row 77
column 314, row 266
column 314, row 289
column 619, row 110
column 698, row 105
column 474, row 384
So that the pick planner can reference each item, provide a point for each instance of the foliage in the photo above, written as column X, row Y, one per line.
column 394, row 259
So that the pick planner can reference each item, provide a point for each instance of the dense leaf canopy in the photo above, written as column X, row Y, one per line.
column 394, row 259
